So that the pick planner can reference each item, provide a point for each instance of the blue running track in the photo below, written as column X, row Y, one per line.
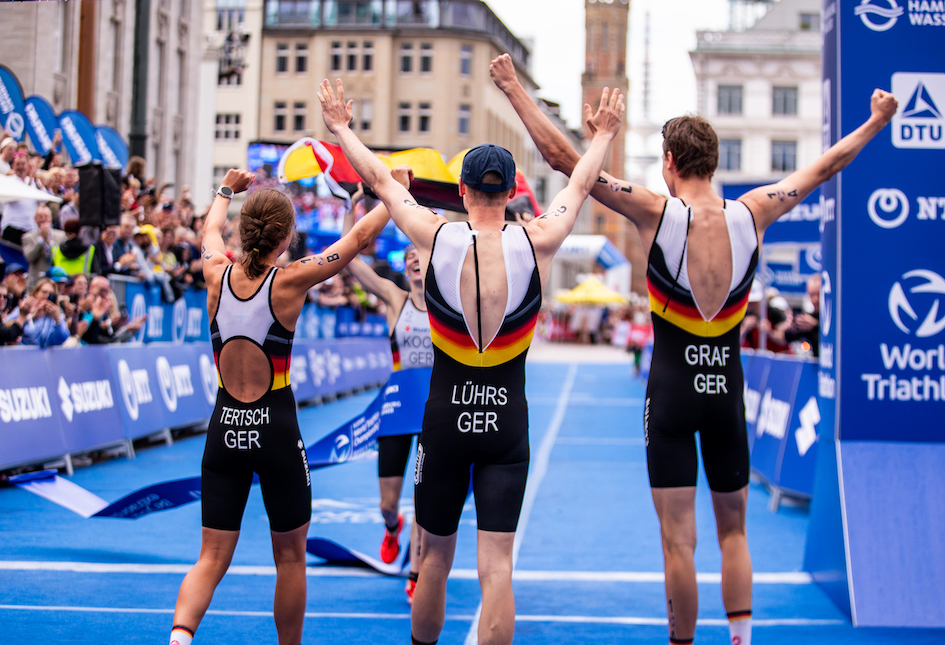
column 589, row 563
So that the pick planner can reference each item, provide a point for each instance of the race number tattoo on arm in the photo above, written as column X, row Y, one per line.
column 561, row 210
column 601, row 180
column 314, row 258
column 782, row 195
column 334, row 257
column 410, row 202
column 617, row 187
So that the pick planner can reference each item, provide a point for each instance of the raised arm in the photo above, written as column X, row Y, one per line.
column 213, row 250
column 768, row 203
column 417, row 222
column 383, row 288
column 548, row 231
column 636, row 203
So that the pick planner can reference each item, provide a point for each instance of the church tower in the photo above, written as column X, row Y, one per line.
column 605, row 65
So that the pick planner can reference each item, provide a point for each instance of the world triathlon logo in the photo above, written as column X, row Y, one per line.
column 881, row 16
column 904, row 309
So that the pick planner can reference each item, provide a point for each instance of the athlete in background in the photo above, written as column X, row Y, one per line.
column 702, row 253
column 410, row 348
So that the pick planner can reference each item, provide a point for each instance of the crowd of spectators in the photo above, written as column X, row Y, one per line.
column 64, row 295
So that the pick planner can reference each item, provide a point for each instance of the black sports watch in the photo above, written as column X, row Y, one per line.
column 225, row 192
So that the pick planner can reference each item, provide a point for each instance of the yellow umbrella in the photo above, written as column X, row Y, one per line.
column 592, row 292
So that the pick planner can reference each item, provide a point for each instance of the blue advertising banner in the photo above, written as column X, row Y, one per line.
column 891, row 203
column 798, row 459
column 881, row 380
column 774, row 416
column 179, row 385
column 78, row 134
column 111, row 146
column 29, row 426
column 141, row 410
column 11, row 104
column 41, row 123
column 83, row 397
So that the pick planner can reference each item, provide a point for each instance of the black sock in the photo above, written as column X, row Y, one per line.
column 413, row 575
column 414, row 641
column 392, row 529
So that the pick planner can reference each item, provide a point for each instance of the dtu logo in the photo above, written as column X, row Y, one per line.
column 919, row 123
column 900, row 303
column 880, row 16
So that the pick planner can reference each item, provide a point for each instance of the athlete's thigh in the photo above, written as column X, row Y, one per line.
column 284, row 478
column 441, row 481
column 393, row 453
column 724, row 441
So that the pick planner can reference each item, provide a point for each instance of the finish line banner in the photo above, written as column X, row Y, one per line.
column 397, row 410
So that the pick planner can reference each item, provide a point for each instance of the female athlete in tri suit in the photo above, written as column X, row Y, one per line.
column 410, row 348
column 483, row 291
column 253, row 307
column 702, row 251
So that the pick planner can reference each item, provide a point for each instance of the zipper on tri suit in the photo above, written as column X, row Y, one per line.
column 475, row 235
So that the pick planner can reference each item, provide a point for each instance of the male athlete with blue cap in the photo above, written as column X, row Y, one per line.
column 483, row 287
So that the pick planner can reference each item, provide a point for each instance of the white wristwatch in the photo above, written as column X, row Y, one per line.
column 226, row 192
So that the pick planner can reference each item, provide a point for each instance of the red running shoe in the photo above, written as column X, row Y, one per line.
column 411, row 585
column 390, row 547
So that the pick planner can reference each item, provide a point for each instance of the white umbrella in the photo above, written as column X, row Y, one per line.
column 12, row 189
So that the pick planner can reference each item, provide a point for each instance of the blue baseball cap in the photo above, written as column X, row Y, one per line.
column 57, row 274
column 488, row 158
column 15, row 268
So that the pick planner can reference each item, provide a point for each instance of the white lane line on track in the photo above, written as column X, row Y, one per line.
column 601, row 441
column 519, row 575
column 534, row 482
column 593, row 620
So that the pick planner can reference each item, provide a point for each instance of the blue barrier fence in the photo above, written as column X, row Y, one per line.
column 186, row 319
column 57, row 402
column 782, row 414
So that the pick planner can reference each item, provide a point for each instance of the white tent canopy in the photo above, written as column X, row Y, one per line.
column 12, row 189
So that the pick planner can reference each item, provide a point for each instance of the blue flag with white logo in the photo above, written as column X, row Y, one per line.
column 11, row 104
column 78, row 134
column 112, row 147
column 41, row 123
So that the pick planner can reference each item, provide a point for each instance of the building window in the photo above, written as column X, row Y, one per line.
column 403, row 117
column 406, row 58
column 730, row 99
column 784, row 101
column 810, row 22
column 541, row 190
column 783, row 156
column 117, row 53
column 424, row 114
column 367, row 56
column 336, row 56
column 465, row 114
column 298, row 116
column 282, row 58
column 426, row 58
column 604, row 36
column 280, row 113
column 229, row 18
column 352, row 56
column 301, row 58
column 465, row 60
column 730, row 154
column 228, row 127
column 367, row 114
column 358, row 12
